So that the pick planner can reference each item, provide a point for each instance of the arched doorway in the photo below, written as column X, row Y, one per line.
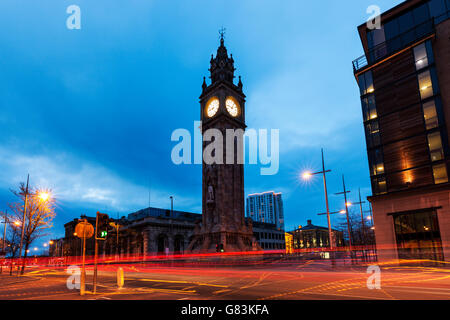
column 162, row 243
column 178, row 244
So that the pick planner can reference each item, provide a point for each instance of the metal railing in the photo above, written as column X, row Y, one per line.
column 395, row 44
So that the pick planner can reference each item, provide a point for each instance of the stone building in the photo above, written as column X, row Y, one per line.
column 147, row 231
column 312, row 236
column 222, row 109
column 269, row 236
column 152, row 231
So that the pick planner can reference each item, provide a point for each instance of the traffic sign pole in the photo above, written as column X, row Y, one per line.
column 95, row 255
column 83, row 269
column 84, row 230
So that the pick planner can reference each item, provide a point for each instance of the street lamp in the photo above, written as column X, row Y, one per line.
column 347, row 204
column 308, row 175
column 43, row 196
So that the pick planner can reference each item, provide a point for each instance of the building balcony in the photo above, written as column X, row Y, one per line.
column 394, row 45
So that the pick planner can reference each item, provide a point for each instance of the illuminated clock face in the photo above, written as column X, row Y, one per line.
column 232, row 107
column 212, row 107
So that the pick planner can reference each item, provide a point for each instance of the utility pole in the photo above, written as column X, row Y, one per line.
column 363, row 226
column 307, row 176
column 330, row 233
column 23, row 222
column 4, row 230
column 95, row 255
column 349, row 228
column 4, row 239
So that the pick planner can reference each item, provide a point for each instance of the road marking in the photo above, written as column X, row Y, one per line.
column 184, row 282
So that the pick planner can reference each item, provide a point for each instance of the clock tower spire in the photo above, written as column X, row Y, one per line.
column 222, row 107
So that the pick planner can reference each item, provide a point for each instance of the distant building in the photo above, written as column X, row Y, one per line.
column 153, row 231
column 311, row 236
column 147, row 231
column 266, row 207
column 268, row 236
column 289, row 240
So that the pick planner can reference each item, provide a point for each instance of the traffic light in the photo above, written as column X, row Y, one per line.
column 102, row 226
column 219, row 247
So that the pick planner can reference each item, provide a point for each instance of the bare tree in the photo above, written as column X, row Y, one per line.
column 12, row 240
column 40, row 213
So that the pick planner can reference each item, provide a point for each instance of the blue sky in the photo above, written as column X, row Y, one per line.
column 89, row 113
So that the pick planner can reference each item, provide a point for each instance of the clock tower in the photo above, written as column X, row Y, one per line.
column 222, row 109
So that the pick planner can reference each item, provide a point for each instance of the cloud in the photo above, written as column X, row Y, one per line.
column 295, row 102
column 81, row 182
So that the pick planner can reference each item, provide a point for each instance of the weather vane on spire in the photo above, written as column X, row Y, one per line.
column 222, row 33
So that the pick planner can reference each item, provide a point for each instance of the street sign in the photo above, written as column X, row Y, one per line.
column 84, row 228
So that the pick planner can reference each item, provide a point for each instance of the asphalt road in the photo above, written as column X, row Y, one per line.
column 302, row 281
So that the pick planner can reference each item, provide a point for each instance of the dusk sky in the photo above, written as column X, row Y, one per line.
column 89, row 113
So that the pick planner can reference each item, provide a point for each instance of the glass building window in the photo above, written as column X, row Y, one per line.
column 376, row 162
column 420, row 56
column 377, row 44
column 369, row 108
column 379, row 185
column 438, row 10
column 365, row 82
column 418, row 236
column 440, row 173
column 435, row 145
column 373, row 134
column 425, row 85
column 430, row 115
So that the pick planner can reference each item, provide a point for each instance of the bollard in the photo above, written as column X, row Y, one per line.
column 120, row 278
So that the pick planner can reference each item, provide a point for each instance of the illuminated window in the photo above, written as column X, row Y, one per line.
column 425, row 86
column 440, row 173
column 373, row 134
column 379, row 185
column 420, row 56
column 369, row 108
column 435, row 145
column 430, row 115
column 376, row 162
column 365, row 82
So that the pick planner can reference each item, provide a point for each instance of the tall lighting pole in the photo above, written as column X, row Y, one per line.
column 4, row 238
column 349, row 228
column 363, row 226
column 23, row 219
column 308, row 175
column 4, row 231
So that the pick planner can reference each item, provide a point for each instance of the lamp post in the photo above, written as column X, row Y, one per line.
column 308, row 175
column 347, row 204
column 23, row 220
column 4, row 239
column 4, row 230
column 43, row 197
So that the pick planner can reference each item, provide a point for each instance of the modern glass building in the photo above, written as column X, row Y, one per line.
column 404, row 81
column 266, row 207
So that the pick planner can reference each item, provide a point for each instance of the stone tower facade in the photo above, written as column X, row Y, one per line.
column 222, row 108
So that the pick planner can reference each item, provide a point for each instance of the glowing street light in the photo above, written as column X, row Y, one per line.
column 308, row 175
column 44, row 196
column 17, row 223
